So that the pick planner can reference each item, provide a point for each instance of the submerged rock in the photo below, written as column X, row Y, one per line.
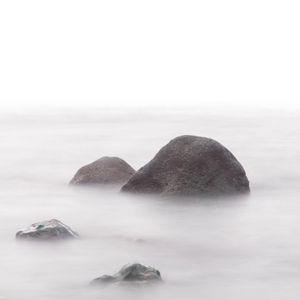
column 47, row 230
column 190, row 165
column 106, row 170
column 135, row 273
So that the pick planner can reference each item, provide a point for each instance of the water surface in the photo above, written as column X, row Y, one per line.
column 230, row 249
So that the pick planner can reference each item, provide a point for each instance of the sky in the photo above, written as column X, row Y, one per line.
column 143, row 53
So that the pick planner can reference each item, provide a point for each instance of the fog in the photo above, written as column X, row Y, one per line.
column 233, row 248
column 133, row 52
column 243, row 56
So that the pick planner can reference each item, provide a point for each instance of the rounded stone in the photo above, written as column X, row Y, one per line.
column 47, row 230
column 106, row 170
column 134, row 273
column 190, row 165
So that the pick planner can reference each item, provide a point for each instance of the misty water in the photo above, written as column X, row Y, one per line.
column 233, row 248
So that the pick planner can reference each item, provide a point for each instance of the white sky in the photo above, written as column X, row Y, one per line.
column 149, row 52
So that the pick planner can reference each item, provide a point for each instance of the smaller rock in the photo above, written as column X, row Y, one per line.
column 135, row 273
column 47, row 230
column 106, row 170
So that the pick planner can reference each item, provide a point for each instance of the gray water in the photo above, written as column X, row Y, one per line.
column 210, row 249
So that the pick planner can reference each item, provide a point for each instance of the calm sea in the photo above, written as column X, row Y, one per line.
column 230, row 249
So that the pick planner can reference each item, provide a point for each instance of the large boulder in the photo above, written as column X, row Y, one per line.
column 190, row 165
column 47, row 230
column 134, row 273
column 106, row 170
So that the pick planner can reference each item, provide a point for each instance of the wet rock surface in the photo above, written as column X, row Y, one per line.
column 47, row 230
column 106, row 170
column 131, row 273
column 190, row 165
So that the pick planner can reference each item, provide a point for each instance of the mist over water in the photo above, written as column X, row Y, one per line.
column 212, row 249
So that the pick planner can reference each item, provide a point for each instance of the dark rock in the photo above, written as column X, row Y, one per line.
column 135, row 273
column 190, row 165
column 47, row 230
column 106, row 170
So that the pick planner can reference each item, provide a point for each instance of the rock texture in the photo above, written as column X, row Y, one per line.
column 47, row 230
column 190, row 165
column 134, row 273
column 106, row 170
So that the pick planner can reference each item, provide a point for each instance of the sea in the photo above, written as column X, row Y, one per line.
column 231, row 248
